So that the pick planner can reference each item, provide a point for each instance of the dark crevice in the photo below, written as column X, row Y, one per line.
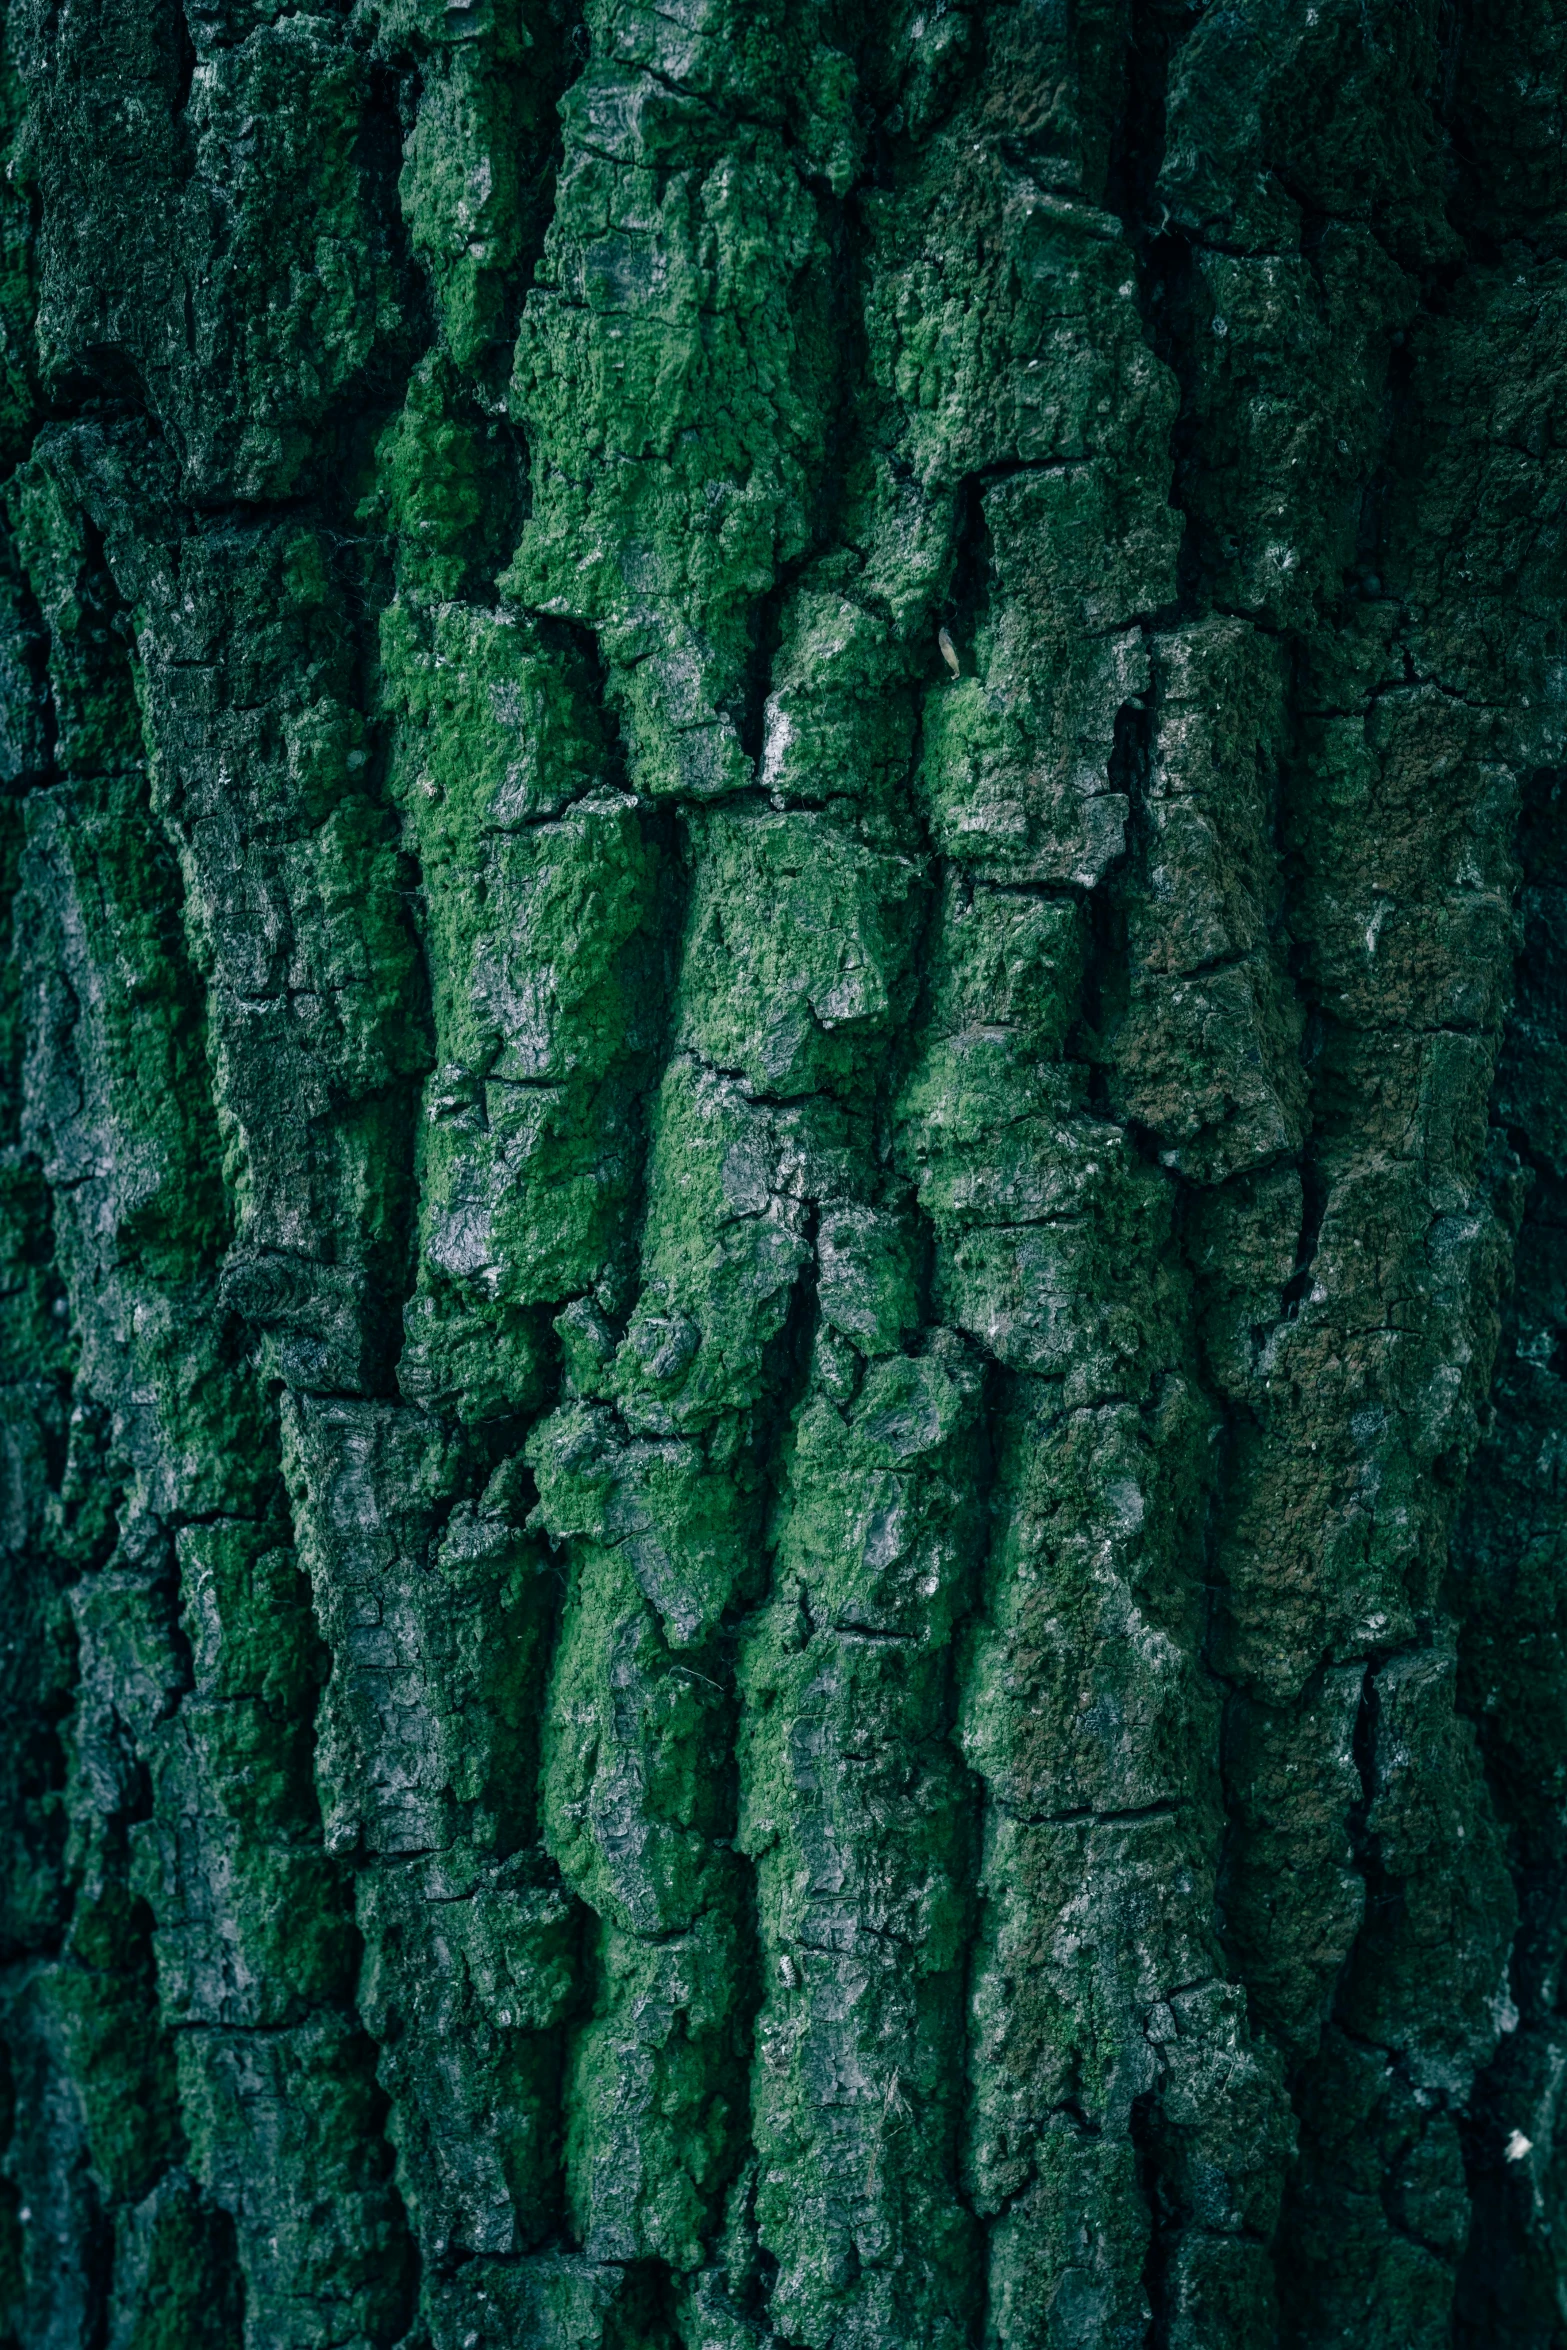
column 643, row 2315
column 998, row 1399
column 1162, row 255
column 1152, row 2170
column 1314, row 1198
column 1106, row 979
column 967, row 600
column 1513, row 1622
column 766, row 637
column 185, row 64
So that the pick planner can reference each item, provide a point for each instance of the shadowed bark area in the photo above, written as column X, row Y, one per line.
column 783, row 1175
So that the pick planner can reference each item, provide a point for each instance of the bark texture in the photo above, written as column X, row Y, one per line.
column 783, row 1185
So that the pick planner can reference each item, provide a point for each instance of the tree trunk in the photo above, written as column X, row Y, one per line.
column 784, row 1177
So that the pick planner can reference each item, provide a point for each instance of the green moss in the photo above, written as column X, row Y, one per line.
column 105, row 2002
column 862, row 1836
column 796, row 968
column 769, row 863
column 186, row 2293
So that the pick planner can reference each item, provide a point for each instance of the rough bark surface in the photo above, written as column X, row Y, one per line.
column 783, row 1174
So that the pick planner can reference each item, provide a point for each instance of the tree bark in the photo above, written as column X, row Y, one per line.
column 783, row 1177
